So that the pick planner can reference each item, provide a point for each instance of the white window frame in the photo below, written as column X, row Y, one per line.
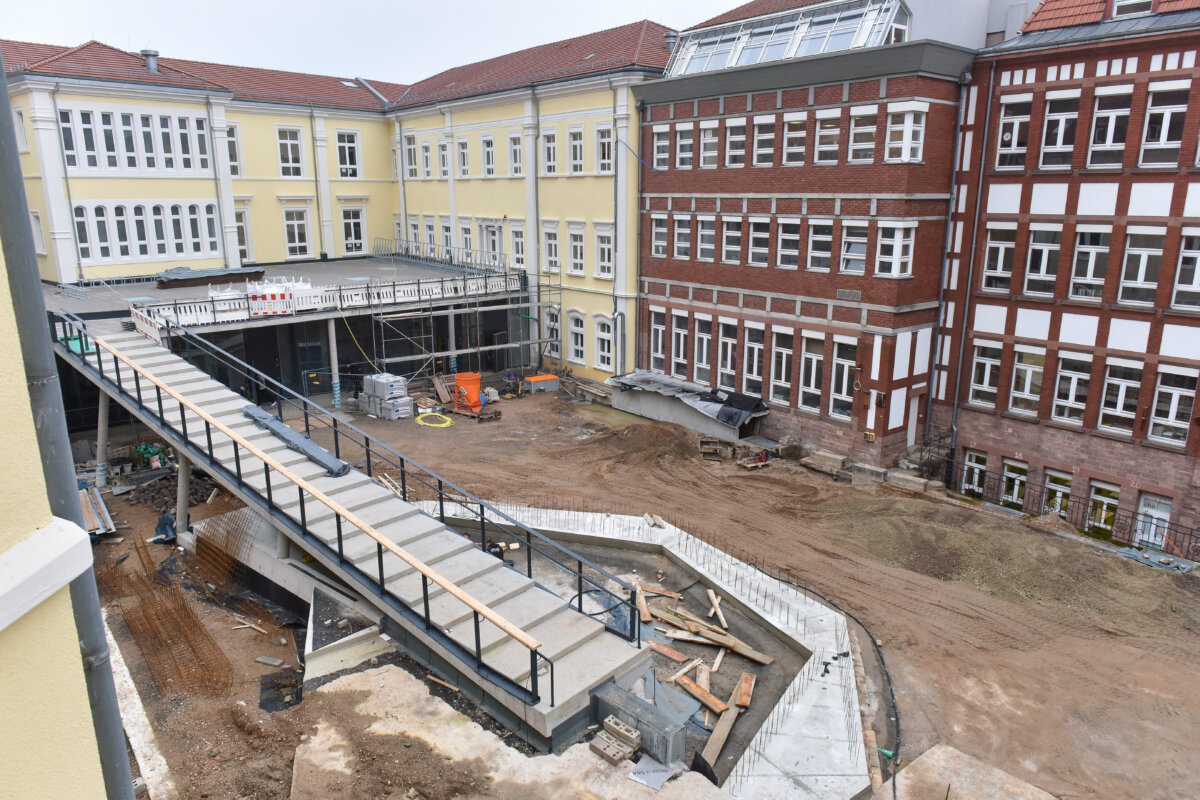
column 553, row 321
column 898, row 262
column 658, row 341
column 516, row 234
column 1186, row 293
column 292, row 229
column 759, row 253
column 1015, row 112
column 349, row 154
column 731, row 239
column 787, row 250
column 683, row 238
column 706, row 238
column 855, row 247
column 291, row 166
column 1000, row 258
column 576, row 264
column 829, row 136
column 575, row 150
column 905, row 137
column 782, row 351
column 443, row 159
column 864, row 125
column 233, row 148
column 1041, row 267
column 410, row 156
column 764, row 141
column 1025, row 394
column 1111, row 125
column 550, row 153
column 1174, row 399
column 1124, row 8
column 39, row 238
column 462, row 150
column 974, row 478
column 841, row 387
column 576, row 339
column 550, row 245
column 812, row 370
column 1141, row 267
column 820, row 245
column 426, row 161
column 605, row 251
column 241, row 221
column 1089, row 266
column 605, row 150
column 1059, row 131
column 349, row 223
column 985, row 382
column 679, row 345
column 727, row 356
column 1170, row 114
column 19, row 126
column 685, row 143
column 1071, row 388
column 489, row 156
column 1119, row 400
column 658, row 236
column 516, row 166
column 754, row 359
column 795, row 138
column 709, row 144
column 662, row 147
column 605, row 356
column 702, row 367
column 735, row 143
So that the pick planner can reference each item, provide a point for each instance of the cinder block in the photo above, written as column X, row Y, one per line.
column 608, row 748
column 626, row 734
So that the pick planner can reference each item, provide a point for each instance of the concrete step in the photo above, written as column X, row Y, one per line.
column 431, row 549
column 467, row 565
column 494, row 586
column 525, row 610
column 581, row 670
column 325, row 528
column 562, row 632
column 828, row 463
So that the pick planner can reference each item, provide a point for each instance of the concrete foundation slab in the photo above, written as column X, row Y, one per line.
column 942, row 770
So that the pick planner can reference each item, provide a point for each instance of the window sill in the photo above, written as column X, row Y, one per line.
column 825, row 163
column 817, row 270
column 975, row 405
column 759, row 266
column 576, row 273
column 764, row 166
column 893, row 277
column 1119, row 436
column 686, row 169
column 1062, row 424
column 1024, row 416
column 602, row 277
column 902, row 162
column 734, row 166
column 1170, row 447
column 788, row 267
column 853, row 273
column 580, row 363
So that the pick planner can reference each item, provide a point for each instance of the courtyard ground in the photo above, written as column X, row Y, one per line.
column 1070, row 668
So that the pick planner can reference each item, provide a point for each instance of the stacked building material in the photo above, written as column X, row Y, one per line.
column 386, row 395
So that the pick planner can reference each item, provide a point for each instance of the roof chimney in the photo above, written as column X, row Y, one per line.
column 151, row 57
column 669, row 40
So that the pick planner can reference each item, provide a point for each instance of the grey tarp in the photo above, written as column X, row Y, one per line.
column 335, row 467
column 729, row 408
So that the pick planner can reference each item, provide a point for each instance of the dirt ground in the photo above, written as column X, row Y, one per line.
column 1069, row 668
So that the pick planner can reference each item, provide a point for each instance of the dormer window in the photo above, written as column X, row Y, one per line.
column 1126, row 8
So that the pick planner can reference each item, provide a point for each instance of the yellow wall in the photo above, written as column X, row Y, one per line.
column 47, row 742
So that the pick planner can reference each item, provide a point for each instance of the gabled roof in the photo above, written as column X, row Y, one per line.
column 104, row 62
column 635, row 44
column 273, row 85
column 18, row 55
column 755, row 8
column 1067, row 13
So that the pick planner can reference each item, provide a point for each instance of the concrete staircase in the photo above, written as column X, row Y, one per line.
column 584, row 652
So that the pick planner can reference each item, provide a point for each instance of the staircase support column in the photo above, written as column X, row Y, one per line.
column 333, row 364
column 183, row 493
column 102, row 441
column 283, row 546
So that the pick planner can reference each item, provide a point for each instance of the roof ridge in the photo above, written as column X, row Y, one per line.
column 641, row 38
column 68, row 51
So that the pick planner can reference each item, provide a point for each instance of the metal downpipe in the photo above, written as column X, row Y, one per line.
column 45, row 396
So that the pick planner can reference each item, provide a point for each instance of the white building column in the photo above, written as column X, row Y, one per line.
column 102, row 441
column 58, row 209
column 451, row 171
column 324, row 204
column 336, row 383
column 220, row 138
column 624, row 278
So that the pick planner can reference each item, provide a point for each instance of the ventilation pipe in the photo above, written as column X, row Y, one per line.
column 670, row 39
column 151, row 57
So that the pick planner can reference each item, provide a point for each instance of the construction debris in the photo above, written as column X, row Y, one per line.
column 674, row 655
column 710, row 448
column 705, row 697
column 745, row 690
column 720, row 734
column 96, row 518
column 270, row 661
column 716, row 608
column 626, row 734
column 691, row 666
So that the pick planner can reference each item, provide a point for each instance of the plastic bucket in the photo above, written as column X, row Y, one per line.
column 466, row 390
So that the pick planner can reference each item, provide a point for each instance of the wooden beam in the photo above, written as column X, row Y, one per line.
column 643, row 609
column 720, row 734
column 698, row 620
column 720, row 657
column 674, row 655
column 691, row 666
column 706, row 699
column 744, row 691
column 690, row 638
column 337, row 508
column 716, row 609
column 738, row 646
column 661, row 591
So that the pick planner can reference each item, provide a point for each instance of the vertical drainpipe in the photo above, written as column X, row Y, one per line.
column 212, row 137
column 966, row 312
column 62, row 154
column 964, row 83
column 312, row 135
column 618, row 365
column 637, row 317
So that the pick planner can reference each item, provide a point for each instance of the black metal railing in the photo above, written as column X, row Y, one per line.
column 612, row 599
column 148, row 400
column 1097, row 513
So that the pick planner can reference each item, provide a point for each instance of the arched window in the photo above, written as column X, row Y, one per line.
column 81, row 233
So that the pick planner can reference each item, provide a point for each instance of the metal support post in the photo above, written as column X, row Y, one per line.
column 102, row 441
column 333, row 364
column 183, row 493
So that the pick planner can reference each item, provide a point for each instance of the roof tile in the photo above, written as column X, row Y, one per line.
column 755, row 8
column 18, row 55
column 638, row 43
column 1068, row 13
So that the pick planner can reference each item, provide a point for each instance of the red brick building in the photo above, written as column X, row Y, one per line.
column 794, row 214
column 1071, row 340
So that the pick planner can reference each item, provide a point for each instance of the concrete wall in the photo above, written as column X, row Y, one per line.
column 669, row 409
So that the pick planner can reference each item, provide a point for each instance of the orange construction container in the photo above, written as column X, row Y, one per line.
column 466, row 391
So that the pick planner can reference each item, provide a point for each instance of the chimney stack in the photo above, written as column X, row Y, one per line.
column 151, row 57
column 670, row 38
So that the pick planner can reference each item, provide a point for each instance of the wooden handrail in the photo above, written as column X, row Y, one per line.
column 475, row 605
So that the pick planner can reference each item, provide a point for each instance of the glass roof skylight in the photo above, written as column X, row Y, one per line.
column 821, row 29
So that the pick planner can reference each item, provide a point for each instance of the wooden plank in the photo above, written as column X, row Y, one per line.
column 738, row 646
column 695, row 618
column 89, row 514
column 347, row 515
column 704, row 677
column 691, row 666
column 439, row 386
column 691, row 638
column 659, row 590
column 720, row 657
column 643, row 609
column 716, row 608
column 706, row 699
column 720, row 734
column 744, row 691
column 674, row 655
column 441, row 682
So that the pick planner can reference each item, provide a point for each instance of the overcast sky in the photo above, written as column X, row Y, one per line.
column 400, row 41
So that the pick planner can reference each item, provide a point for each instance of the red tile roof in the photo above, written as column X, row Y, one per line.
column 756, row 8
column 19, row 54
column 1068, row 13
column 635, row 44
column 103, row 62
